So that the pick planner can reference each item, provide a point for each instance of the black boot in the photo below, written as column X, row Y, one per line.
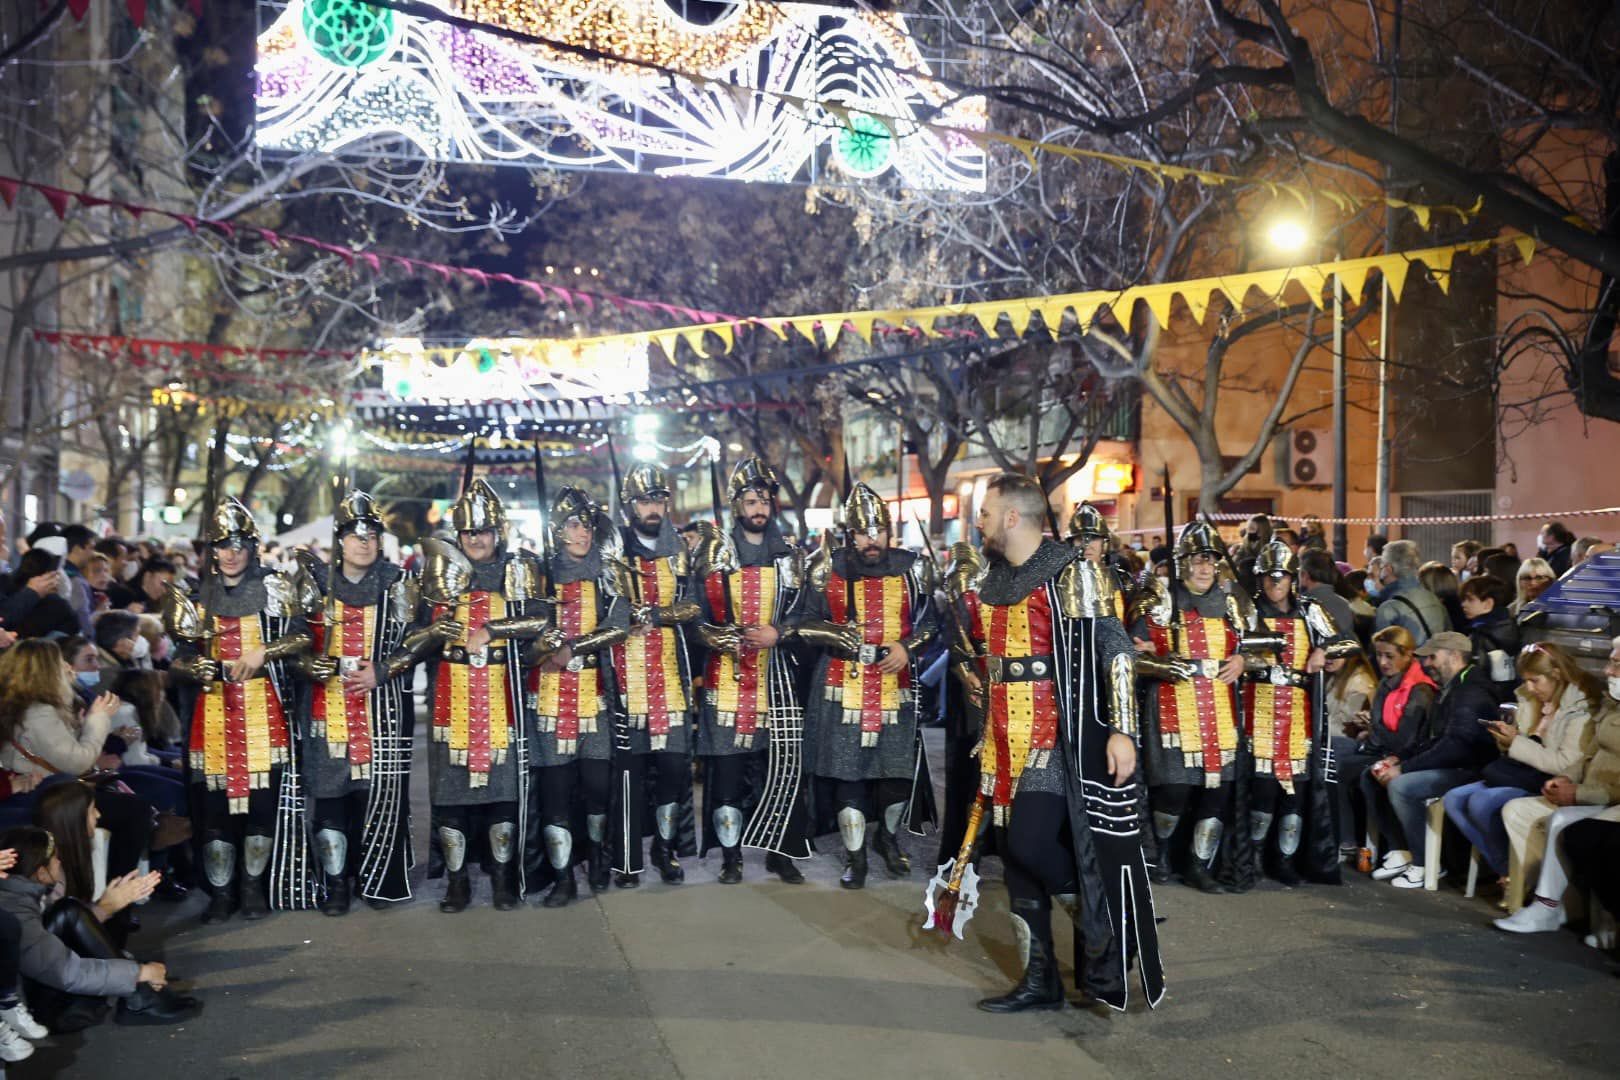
column 1040, row 988
column 783, row 867
column 887, row 845
column 601, row 867
column 457, row 892
column 564, row 892
column 626, row 881
column 1159, row 872
column 337, row 895
column 730, row 865
column 254, row 904
column 663, row 859
column 219, row 905
column 503, row 885
column 1198, row 875
column 854, row 870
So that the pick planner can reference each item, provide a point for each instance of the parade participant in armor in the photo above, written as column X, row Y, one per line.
column 751, row 580
column 861, row 718
column 238, row 636
column 1281, row 711
column 359, row 720
column 654, row 668
column 1088, row 531
column 1058, row 754
column 572, row 693
column 1187, row 635
column 478, row 600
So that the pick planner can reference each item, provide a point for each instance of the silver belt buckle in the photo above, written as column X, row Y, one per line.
column 1209, row 667
column 1281, row 676
column 478, row 658
column 867, row 654
column 348, row 665
column 576, row 663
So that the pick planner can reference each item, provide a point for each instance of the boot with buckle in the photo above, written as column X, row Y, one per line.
column 1041, row 987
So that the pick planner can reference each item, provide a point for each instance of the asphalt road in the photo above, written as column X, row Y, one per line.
column 766, row 979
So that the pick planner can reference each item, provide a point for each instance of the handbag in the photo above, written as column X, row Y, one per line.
column 1504, row 772
column 96, row 778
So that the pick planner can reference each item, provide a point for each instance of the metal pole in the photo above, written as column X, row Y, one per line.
column 1341, row 472
column 1384, row 328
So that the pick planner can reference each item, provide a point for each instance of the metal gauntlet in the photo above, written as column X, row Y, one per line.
column 679, row 613
column 317, row 669
column 603, row 637
column 1341, row 649
column 1122, row 694
column 1168, row 668
column 286, row 647
column 919, row 640
column 723, row 637
column 417, row 644
column 518, row 626
column 821, row 634
column 197, row 669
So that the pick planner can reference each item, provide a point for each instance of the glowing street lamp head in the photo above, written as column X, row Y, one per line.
column 1288, row 236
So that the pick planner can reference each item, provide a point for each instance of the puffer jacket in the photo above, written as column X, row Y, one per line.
column 45, row 958
column 1599, row 782
column 1556, row 746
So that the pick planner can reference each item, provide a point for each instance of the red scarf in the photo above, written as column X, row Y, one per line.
column 1395, row 700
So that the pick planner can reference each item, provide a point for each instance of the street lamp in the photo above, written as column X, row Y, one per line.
column 1289, row 236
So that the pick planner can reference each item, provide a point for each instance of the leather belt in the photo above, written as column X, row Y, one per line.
column 457, row 654
column 1007, row 669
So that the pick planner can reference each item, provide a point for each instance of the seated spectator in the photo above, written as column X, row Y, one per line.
column 17, row 1024
column 1555, row 707
column 1500, row 565
column 84, row 661
column 46, row 608
column 98, row 579
column 1449, row 751
column 19, row 595
column 118, row 640
column 151, row 584
column 1462, row 558
column 68, row 963
column 68, row 809
column 125, row 566
column 1511, row 550
column 1486, row 602
column 42, row 735
column 1582, row 550
column 1403, row 601
column 1353, row 587
column 1399, row 712
column 1589, row 789
column 1553, row 544
column 1350, row 687
column 1439, row 579
column 1592, row 853
column 156, row 738
column 1376, row 542
column 1317, row 580
column 1533, row 578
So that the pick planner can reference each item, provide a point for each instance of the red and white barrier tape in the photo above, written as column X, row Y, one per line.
column 1434, row 519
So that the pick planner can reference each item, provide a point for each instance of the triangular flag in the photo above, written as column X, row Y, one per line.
column 1526, row 246
column 8, row 190
column 1353, row 278
column 1395, row 268
column 56, row 197
column 1157, row 298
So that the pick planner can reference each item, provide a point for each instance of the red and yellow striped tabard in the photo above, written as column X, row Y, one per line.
column 471, row 707
column 883, row 611
column 739, row 686
column 1022, row 717
column 1196, row 715
column 344, row 720
column 650, row 663
column 1278, row 717
column 238, row 730
column 567, row 702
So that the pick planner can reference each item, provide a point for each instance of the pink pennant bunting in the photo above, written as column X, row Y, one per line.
column 88, row 200
column 8, row 190
column 137, row 11
column 270, row 236
column 56, row 197
column 78, row 8
column 187, row 220
column 372, row 261
column 477, row 275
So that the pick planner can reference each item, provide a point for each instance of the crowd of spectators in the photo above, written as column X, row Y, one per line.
column 1450, row 705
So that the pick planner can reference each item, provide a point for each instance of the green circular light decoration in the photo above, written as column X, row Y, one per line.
column 348, row 33
column 864, row 146
column 486, row 361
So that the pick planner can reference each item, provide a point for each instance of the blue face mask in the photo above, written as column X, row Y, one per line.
column 1373, row 589
column 88, row 678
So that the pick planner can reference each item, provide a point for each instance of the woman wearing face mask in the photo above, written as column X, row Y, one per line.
column 42, row 735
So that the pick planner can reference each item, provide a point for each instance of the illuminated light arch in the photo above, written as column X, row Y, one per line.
column 332, row 77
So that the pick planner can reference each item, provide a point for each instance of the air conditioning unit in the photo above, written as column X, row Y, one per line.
column 1305, row 458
